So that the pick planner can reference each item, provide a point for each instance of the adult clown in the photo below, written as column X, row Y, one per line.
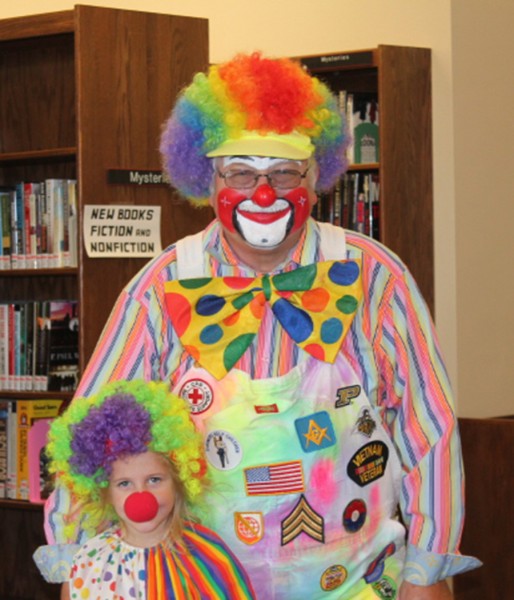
column 307, row 354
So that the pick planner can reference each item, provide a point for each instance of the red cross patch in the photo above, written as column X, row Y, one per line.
column 198, row 393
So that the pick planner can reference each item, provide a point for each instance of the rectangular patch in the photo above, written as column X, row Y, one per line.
column 279, row 478
column 265, row 408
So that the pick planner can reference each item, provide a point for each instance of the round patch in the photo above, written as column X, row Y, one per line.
column 385, row 588
column 198, row 394
column 354, row 515
column 333, row 577
column 223, row 450
column 376, row 568
column 369, row 463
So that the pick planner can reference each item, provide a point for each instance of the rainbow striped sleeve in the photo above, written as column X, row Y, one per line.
column 131, row 345
column 414, row 389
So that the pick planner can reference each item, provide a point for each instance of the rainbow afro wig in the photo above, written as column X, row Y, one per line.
column 124, row 419
column 252, row 105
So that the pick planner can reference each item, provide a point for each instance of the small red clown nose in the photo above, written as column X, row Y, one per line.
column 141, row 507
column 264, row 195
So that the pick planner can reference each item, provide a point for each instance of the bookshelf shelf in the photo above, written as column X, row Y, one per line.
column 20, row 505
column 364, row 167
column 16, row 395
column 55, row 272
column 83, row 91
column 39, row 155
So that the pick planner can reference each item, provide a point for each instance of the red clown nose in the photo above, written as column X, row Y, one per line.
column 264, row 195
column 141, row 507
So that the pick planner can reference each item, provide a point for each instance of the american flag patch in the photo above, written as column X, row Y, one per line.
column 279, row 478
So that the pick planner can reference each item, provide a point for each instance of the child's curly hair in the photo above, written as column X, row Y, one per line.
column 256, row 94
column 123, row 419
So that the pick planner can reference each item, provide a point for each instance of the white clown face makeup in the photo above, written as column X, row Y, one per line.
column 262, row 215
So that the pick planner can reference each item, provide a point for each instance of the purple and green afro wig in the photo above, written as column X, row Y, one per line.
column 123, row 419
column 252, row 105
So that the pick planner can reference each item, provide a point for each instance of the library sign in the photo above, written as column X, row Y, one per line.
column 122, row 231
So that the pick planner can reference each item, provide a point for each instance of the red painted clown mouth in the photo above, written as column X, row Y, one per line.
column 264, row 217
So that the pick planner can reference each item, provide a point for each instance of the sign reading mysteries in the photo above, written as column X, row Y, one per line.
column 136, row 177
column 345, row 59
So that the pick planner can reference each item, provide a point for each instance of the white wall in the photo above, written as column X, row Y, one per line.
column 296, row 27
column 483, row 66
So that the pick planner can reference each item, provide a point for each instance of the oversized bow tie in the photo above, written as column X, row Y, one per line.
column 216, row 319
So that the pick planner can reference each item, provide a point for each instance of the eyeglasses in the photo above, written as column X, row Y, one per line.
column 239, row 179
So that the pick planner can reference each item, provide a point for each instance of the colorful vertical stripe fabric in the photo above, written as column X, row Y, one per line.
column 202, row 569
column 392, row 347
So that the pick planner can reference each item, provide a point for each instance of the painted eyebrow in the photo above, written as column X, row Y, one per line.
column 241, row 156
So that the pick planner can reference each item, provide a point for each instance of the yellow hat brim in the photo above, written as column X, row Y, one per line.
column 295, row 146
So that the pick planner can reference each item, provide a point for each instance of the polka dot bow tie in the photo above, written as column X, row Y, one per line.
column 217, row 318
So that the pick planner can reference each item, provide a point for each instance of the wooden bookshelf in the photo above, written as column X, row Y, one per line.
column 86, row 90
column 401, row 79
column 489, row 529
column 83, row 91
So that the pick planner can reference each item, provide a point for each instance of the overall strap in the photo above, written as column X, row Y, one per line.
column 332, row 242
column 190, row 257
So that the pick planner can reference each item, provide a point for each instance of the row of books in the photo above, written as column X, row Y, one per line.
column 361, row 110
column 39, row 345
column 24, row 428
column 354, row 204
column 38, row 224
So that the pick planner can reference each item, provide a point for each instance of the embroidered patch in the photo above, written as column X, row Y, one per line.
column 333, row 577
column 368, row 464
column 365, row 423
column 345, row 395
column 303, row 518
column 376, row 568
column 315, row 431
column 223, row 450
column 277, row 478
column 198, row 394
column 385, row 589
column 354, row 515
column 249, row 526
column 265, row 408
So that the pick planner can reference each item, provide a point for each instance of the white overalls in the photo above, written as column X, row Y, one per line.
column 305, row 480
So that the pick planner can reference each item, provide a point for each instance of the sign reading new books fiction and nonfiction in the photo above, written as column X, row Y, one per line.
column 117, row 231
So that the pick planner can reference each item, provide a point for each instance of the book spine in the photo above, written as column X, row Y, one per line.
column 42, row 345
column 4, row 411
column 43, row 218
column 11, row 356
column 12, row 449
column 30, row 411
column 4, row 346
column 5, row 207
column 50, row 195
column 20, row 225
column 22, row 463
column 73, row 222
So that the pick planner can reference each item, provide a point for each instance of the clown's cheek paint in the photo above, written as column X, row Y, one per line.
column 229, row 199
column 227, row 202
column 299, row 199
